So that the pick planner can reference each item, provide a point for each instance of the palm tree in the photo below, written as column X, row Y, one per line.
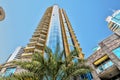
column 51, row 67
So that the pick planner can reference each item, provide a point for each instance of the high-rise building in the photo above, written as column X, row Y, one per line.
column 105, row 60
column 8, row 70
column 16, row 54
column 2, row 14
column 55, row 32
column 114, row 22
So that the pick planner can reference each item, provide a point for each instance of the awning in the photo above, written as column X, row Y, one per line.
column 100, row 60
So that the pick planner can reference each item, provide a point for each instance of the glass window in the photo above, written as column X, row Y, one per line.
column 110, row 63
column 96, row 48
column 54, row 36
column 9, row 71
column 69, row 39
column 104, row 66
column 87, row 76
column 117, row 52
column 116, row 18
column 71, row 47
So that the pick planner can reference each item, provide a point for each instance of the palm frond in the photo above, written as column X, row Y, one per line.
column 51, row 67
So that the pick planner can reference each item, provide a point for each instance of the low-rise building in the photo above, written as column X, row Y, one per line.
column 9, row 69
column 16, row 54
column 105, row 60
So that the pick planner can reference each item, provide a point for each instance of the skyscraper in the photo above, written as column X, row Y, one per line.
column 53, row 31
column 114, row 22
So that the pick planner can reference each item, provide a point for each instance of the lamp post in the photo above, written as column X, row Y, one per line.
column 2, row 14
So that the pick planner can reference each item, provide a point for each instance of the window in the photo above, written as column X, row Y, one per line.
column 87, row 76
column 96, row 48
column 9, row 71
column 54, row 40
column 114, row 19
column 104, row 66
column 71, row 47
column 117, row 52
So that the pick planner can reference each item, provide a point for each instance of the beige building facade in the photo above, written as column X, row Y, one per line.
column 105, row 60
column 54, row 31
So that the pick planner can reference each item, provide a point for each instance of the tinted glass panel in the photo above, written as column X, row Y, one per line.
column 104, row 66
column 54, row 41
column 116, row 18
column 117, row 52
column 9, row 72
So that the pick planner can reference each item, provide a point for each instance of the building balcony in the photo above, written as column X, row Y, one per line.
column 46, row 25
column 45, row 29
column 26, row 54
column 30, row 47
column 44, row 33
column 33, row 39
column 41, row 40
column 31, row 44
column 34, row 42
column 30, row 50
column 42, row 28
column 38, row 51
column 43, row 36
column 39, row 44
column 36, row 34
column 37, row 31
column 109, row 73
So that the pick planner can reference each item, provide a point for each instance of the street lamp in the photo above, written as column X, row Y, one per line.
column 2, row 14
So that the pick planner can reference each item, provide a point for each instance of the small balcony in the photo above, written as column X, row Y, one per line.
column 39, row 44
column 33, row 39
column 41, row 40
column 26, row 54
column 37, row 32
column 44, row 32
column 109, row 73
column 29, row 47
column 38, row 51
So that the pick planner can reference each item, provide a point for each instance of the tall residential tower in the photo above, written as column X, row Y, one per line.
column 53, row 31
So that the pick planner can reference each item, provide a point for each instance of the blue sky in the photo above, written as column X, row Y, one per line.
column 86, row 16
